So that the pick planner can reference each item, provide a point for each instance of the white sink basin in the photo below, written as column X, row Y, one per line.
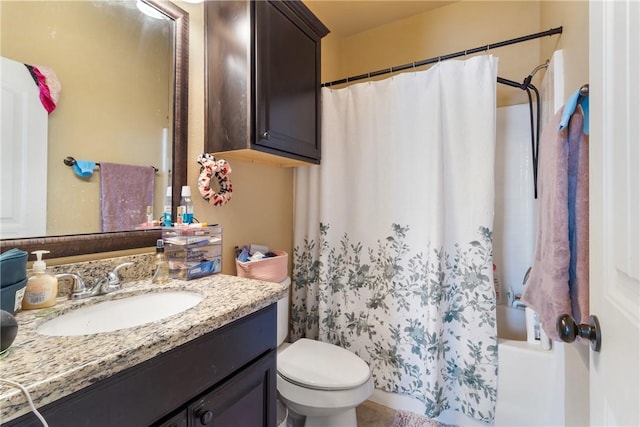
column 109, row 316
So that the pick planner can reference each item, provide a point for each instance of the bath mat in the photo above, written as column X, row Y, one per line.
column 410, row 419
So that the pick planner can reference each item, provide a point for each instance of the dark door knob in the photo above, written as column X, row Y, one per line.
column 568, row 330
column 204, row 416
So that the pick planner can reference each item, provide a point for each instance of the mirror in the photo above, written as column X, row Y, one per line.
column 67, row 243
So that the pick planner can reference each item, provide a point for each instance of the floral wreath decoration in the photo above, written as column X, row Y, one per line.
column 220, row 168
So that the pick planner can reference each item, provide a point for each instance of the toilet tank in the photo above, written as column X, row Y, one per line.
column 283, row 314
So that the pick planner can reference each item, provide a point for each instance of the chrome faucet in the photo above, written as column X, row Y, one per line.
column 518, row 304
column 78, row 289
column 109, row 283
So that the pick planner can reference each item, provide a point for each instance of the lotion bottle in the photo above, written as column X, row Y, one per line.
column 161, row 273
column 42, row 287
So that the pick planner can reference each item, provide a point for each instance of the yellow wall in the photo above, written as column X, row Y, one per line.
column 573, row 16
column 261, row 208
column 452, row 28
column 469, row 24
column 113, row 67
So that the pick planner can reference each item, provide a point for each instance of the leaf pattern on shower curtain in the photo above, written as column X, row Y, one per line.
column 404, row 311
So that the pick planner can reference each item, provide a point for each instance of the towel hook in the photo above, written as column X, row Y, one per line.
column 584, row 90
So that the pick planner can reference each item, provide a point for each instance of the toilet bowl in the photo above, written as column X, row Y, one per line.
column 318, row 380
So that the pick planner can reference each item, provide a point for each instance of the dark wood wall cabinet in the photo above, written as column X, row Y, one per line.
column 224, row 378
column 263, row 81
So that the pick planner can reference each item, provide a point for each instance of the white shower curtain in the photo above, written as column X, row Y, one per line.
column 392, row 252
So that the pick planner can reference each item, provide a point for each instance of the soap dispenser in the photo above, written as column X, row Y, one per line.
column 42, row 287
column 161, row 273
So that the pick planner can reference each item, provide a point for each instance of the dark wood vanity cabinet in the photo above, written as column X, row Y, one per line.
column 242, row 400
column 263, row 81
column 224, row 378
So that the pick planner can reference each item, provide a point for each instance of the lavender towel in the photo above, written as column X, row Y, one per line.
column 579, row 239
column 563, row 160
column 126, row 191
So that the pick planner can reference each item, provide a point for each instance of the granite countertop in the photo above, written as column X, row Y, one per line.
column 53, row 367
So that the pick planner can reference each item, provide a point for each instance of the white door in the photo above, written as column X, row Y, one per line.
column 23, row 144
column 614, row 162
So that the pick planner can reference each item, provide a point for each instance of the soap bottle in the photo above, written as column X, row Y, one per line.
column 161, row 273
column 42, row 287
column 186, row 205
column 166, row 214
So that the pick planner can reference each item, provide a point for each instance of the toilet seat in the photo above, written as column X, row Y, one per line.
column 322, row 366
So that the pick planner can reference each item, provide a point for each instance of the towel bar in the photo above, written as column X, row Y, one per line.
column 70, row 161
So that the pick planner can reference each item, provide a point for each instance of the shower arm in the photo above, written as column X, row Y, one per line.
column 527, row 86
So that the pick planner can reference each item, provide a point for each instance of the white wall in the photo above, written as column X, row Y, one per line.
column 515, row 217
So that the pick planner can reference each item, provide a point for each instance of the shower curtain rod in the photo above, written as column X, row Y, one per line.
column 552, row 31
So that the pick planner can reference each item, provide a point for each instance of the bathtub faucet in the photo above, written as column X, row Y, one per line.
column 518, row 304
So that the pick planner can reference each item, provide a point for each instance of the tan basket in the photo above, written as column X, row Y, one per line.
column 272, row 269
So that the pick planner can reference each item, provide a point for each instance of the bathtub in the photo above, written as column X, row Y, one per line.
column 530, row 381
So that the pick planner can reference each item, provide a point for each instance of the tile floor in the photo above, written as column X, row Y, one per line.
column 371, row 414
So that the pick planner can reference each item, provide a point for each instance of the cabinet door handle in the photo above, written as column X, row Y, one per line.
column 265, row 134
column 205, row 416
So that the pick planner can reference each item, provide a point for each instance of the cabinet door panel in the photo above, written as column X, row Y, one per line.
column 178, row 420
column 246, row 399
column 287, row 63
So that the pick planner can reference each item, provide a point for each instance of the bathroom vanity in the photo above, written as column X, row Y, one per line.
column 213, row 364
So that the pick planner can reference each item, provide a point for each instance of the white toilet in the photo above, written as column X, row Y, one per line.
column 321, row 381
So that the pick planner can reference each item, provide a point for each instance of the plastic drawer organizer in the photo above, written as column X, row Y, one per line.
column 193, row 252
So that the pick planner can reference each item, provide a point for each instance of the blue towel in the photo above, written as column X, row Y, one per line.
column 574, row 154
column 570, row 107
column 84, row 168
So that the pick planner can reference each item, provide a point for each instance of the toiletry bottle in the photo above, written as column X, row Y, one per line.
column 497, row 287
column 166, row 214
column 187, row 205
column 42, row 287
column 149, row 216
column 161, row 273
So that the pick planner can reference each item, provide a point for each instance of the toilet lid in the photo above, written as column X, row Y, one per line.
column 323, row 366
